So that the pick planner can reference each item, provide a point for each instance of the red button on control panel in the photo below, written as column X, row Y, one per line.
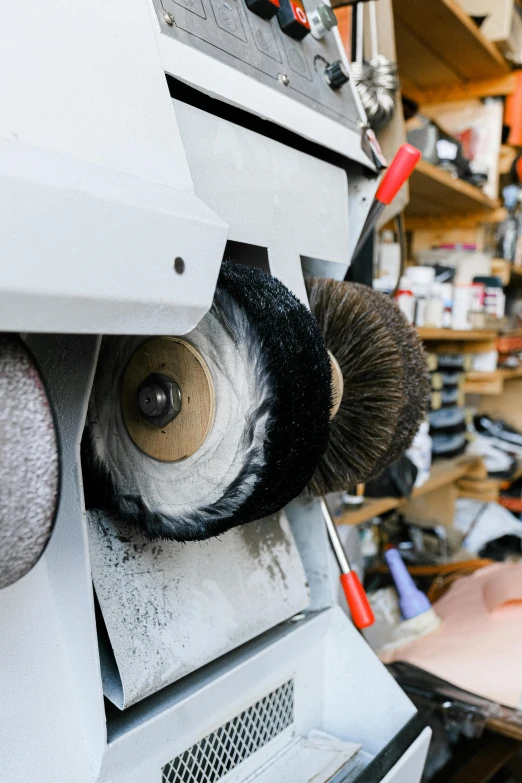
column 293, row 19
column 265, row 8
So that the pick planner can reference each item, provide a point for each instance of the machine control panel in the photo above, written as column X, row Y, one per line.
column 269, row 41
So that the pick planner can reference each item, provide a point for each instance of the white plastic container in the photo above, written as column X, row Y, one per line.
column 447, row 298
column 405, row 299
column 421, row 279
column 485, row 362
column 434, row 311
column 420, row 275
column 389, row 256
column 420, row 453
column 462, row 299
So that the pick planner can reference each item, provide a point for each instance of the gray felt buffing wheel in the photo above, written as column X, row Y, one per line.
column 265, row 379
column 29, row 463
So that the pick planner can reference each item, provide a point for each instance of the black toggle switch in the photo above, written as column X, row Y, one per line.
column 293, row 19
column 265, row 8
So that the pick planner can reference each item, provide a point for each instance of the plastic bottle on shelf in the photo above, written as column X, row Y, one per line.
column 405, row 299
column 421, row 278
column 389, row 256
column 420, row 453
column 434, row 311
column 447, row 299
column 462, row 298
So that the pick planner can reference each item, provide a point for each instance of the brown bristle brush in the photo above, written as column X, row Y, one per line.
column 414, row 363
column 385, row 382
column 362, row 430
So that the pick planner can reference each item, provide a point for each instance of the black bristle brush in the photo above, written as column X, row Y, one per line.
column 362, row 431
column 268, row 373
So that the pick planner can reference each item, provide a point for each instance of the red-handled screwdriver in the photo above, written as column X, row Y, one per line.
column 396, row 175
column 357, row 599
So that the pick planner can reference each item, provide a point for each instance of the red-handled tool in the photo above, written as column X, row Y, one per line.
column 357, row 599
column 396, row 175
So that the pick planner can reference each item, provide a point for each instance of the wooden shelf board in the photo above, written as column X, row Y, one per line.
column 372, row 507
column 442, row 473
column 484, row 382
column 489, row 383
column 435, row 192
column 508, row 375
column 509, row 274
column 456, row 335
column 438, row 45
column 448, row 222
column 508, row 153
column 464, row 91
column 487, row 489
column 501, row 268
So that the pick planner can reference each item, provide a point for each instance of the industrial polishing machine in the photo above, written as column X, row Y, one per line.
column 175, row 402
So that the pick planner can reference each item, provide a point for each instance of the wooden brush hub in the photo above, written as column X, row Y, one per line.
column 185, row 434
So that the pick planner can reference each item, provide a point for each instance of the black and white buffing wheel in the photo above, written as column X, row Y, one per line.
column 29, row 464
column 253, row 391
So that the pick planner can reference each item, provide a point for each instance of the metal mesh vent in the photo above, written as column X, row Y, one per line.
column 222, row 750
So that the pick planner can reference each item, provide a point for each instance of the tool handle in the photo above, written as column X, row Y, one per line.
column 412, row 601
column 398, row 172
column 357, row 599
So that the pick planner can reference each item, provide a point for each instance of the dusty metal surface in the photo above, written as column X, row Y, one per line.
column 169, row 608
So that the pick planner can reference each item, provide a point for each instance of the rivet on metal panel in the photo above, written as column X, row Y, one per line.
column 283, row 78
column 168, row 18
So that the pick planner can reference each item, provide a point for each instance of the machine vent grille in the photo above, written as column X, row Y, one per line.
column 216, row 754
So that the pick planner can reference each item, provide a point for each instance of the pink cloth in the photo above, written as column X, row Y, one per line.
column 478, row 646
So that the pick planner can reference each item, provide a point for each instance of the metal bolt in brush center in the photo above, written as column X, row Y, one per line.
column 159, row 399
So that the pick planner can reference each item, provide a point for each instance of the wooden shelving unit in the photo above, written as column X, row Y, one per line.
column 490, row 383
column 435, row 192
column 440, row 48
column 484, row 382
column 442, row 473
column 509, row 274
column 510, row 375
column 501, row 268
column 456, row 341
column 486, row 489
column 464, row 335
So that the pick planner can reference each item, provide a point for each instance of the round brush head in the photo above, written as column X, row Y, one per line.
column 249, row 396
column 362, row 431
column 29, row 463
column 413, row 360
